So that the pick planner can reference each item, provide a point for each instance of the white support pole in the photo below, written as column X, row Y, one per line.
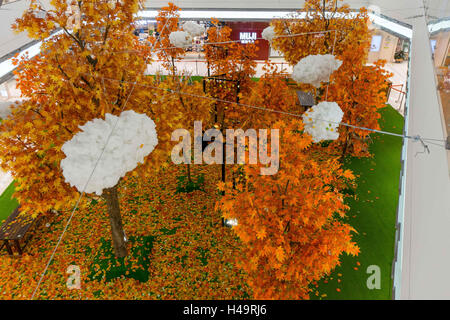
column 424, row 266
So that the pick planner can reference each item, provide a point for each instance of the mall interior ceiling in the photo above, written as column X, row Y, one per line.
column 401, row 10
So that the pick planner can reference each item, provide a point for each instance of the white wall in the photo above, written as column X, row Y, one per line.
column 425, row 263
column 387, row 48
column 10, row 41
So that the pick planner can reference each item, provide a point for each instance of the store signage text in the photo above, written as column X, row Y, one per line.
column 247, row 37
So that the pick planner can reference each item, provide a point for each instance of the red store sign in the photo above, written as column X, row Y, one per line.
column 248, row 32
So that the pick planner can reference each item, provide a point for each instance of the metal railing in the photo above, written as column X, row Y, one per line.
column 396, row 272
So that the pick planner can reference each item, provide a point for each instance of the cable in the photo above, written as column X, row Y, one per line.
column 414, row 138
column 231, row 41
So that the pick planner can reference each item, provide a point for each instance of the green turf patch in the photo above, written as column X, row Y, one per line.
column 373, row 215
column 192, row 78
column 106, row 266
column 164, row 77
column 186, row 186
column 7, row 202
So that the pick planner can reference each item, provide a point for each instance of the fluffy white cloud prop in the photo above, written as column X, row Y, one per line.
column 268, row 33
column 319, row 129
column 315, row 69
column 134, row 137
column 193, row 28
column 180, row 39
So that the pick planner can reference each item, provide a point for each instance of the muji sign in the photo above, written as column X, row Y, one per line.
column 247, row 32
column 247, row 37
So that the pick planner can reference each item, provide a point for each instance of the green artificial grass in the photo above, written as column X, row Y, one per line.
column 184, row 185
column 195, row 78
column 373, row 215
column 107, row 266
column 7, row 202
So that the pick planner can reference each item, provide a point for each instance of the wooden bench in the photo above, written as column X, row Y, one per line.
column 15, row 230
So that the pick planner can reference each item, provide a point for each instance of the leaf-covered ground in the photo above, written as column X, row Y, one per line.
column 177, row 243
column 373, row 215
column 179, row 249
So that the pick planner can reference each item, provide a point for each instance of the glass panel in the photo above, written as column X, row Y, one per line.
column 438, row 19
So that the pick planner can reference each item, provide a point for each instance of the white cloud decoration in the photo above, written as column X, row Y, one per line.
column 134, row 138
column 268, row 33
column 315, row 69
column 180, row 39
column 193, row 28
column 322, row 121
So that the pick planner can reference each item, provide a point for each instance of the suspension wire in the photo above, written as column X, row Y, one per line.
column 231, row 41
column 414, row 138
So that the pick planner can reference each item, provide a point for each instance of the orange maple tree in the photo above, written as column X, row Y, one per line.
column 359, row 89
column 79, row 76
column 290, row 224
column 229, row 59
column 64, row 87
column 180, row 84
column 167, row 22
column 271, row 92
column 231, row 66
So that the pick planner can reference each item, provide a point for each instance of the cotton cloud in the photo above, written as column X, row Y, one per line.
column 322, row 121
column 315, row 69
column 180, row 39
column 134, row 137
column 268, row 33
column 193, row 28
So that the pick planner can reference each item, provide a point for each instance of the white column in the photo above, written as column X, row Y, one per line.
column 425, row 246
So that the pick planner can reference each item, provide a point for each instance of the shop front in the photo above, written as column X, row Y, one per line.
column 250, row 32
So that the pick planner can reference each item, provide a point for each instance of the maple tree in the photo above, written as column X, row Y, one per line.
column 360, row 92
column 231, row 66
column 290, row 224
column 81, row 75
column 229, row 59
column 167, row 22
column 193, row 109
column 290, row 228
column 359, row 89
column 274, row 93
column 65, row 87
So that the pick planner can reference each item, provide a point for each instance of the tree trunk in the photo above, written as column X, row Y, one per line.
column 173, row 68
column 115, row 220
column 344, row 149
